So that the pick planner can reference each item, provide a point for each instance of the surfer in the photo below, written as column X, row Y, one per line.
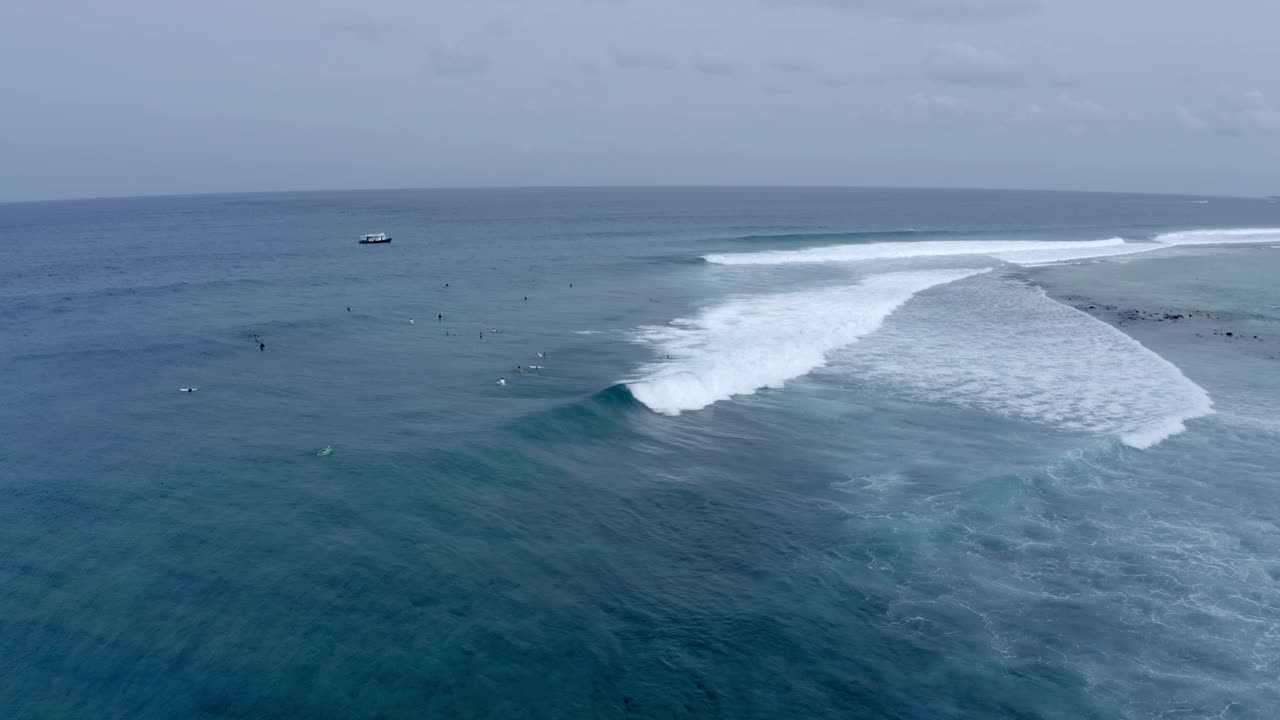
column 439, row 317
column 519, row 369
column 411, row 321
column 262, row 345
column 502, row 381
column 348, row 308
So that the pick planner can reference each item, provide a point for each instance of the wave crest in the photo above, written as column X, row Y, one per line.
column 1221, row 236
column 1007, row 250
column 751, row 343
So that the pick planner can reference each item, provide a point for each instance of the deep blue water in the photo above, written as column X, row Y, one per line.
column 902, row 475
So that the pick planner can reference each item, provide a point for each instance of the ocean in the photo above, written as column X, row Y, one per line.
column 774, row 453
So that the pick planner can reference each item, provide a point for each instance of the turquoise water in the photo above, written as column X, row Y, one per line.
column 791, row 453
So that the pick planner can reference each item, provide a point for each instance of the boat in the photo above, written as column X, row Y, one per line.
column 372, row 238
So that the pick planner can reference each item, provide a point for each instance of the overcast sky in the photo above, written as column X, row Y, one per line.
column 135, row 97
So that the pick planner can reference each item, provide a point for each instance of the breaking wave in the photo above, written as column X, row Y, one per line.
column 1019, row 252
column 1015, row 251
column 751, row 343
column 1221, row 237
column 1041, row 256
column 1007, row 348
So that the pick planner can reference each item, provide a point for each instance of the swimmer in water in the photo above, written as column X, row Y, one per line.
column 519, row 369
column 502, row 381
column 262, row 346
column 439, row 317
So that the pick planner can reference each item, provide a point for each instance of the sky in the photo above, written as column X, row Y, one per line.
column 141, row 97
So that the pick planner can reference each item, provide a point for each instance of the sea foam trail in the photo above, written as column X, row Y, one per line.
column 755, row 342
column 999, row 346
column 1221, row 237
column 1004, row 249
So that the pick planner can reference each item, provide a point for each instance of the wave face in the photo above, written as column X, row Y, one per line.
column 1004, row 249
column 1221, row 237
column 1007, row 348
column 758, row 342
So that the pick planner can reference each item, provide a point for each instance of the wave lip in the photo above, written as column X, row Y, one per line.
column 1220, row 237
column 756, row 342
column 923, row 248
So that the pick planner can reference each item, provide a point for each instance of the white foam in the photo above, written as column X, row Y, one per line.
column 1003, row 347
column 1049, row 257
column 923, row 248
column 756, row 342
column 1221, row 237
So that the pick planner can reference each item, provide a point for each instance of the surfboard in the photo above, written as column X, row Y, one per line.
column 187, row 389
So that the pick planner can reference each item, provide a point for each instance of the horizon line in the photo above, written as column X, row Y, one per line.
column 625, row 186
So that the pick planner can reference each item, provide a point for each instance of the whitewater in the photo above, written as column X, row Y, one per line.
column 1018, row 252
column 751, row 343
column 1057, row 366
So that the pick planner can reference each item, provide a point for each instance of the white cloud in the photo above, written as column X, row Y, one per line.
column 641, row 60
column 960, row 63
column 798, row 67
column 1249, row 113
column 940, row 105
column 1190, row 119
column 714, row 66
column 459, row 65
column 1027, row 114
column 1078, row 108
column 942, row 10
